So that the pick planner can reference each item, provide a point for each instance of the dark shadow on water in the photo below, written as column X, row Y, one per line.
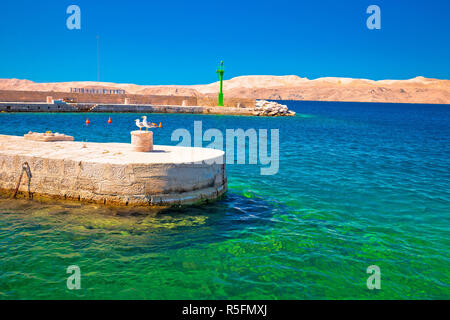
column 232, row 215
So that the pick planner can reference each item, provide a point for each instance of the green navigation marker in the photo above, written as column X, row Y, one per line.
column 220, row 72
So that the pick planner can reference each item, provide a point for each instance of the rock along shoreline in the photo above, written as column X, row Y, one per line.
column 271, row 109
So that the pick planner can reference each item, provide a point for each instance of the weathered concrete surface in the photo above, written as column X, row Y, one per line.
column 111, row 108
column 36, row 107
column 111, row 173
column 47, row 136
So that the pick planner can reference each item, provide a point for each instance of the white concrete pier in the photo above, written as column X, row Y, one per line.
column 112, row 173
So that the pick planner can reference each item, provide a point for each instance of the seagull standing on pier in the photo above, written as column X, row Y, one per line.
column 139, row 124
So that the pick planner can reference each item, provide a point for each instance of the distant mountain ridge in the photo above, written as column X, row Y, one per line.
column 416, row 90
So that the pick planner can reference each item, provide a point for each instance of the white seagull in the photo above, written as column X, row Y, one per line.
column 139, row 124
column 146, row 124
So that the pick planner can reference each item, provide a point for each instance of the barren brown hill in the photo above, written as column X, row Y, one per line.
column 416, row 90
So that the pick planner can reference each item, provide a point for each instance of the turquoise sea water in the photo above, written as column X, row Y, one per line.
column 359, row 184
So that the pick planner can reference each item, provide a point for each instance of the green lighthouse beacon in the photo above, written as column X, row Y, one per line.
column 220, row 72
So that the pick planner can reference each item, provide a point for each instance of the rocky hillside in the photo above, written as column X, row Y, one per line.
column 416, row 90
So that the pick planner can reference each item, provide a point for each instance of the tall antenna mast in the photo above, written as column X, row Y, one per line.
column 98, row 58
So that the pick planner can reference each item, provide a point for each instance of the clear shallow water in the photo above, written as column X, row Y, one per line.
column 358, row 184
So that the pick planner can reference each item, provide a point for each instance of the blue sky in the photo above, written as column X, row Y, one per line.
column 182, row 42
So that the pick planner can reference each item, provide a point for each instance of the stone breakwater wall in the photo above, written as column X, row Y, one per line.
column 111, row 108
column 41, row 96
column 171, row 109
column 175, row 100
column 36, row 107
column 211, row 101
column 272, row 109
column 263, row 108
column 111, row 173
